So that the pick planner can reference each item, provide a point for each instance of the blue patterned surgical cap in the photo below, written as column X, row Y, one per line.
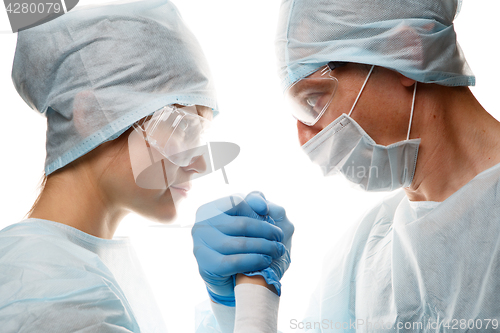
column 413, row 37
column 98, row 69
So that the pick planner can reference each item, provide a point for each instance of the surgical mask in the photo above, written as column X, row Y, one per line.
column 343, row 146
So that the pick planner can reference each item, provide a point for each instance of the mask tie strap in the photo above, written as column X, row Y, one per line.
column 412, row 108
column 362, row 88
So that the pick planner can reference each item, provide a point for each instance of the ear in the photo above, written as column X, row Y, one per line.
column 407, row 82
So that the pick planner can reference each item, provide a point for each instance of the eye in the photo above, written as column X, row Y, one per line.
column 312, row 100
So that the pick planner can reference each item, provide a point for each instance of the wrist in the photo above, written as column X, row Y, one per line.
column 256, row 279
column 224, row 300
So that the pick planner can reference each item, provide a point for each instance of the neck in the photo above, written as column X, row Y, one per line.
column 459, row 140
column 73, row 198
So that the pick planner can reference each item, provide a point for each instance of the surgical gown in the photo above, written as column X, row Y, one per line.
column 416, row 267
column 55, row 278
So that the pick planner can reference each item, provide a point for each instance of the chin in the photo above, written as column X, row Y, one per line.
column 164, row 215
column 160, row 208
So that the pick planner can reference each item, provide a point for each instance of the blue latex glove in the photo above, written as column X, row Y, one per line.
column 277, row 216
column 229, row 237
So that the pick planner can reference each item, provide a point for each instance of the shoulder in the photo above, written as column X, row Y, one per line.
column 34, row 252
column 46, row 278
column 383, row 211
column 347, row 251
column 379, row 216
column 37, row 244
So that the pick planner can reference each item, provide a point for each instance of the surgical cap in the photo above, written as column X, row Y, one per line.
column 413, row 37
column 98, row 69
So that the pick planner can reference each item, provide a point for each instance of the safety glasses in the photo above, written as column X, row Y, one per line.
column 176, row 132
column 309, row 98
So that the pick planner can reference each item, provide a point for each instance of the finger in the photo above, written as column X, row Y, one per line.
column 224, row 228
column 214, row 264
column 205, row 235
column 277, row 212
column 208, row 259
column 258, row 193
column 241, row 245
column 219, row 207
column 243, row 263
column 244, row 209
column 247, row 227
column 257, row 202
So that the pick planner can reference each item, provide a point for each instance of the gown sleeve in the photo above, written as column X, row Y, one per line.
column 256, row 311
column 94, row 310
column 48, row 284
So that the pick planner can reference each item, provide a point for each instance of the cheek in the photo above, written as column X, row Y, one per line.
column 306, row 133
column 156, row 205
column 386, row 120
column 342, row 102
column 147, row 194
column 155, row 202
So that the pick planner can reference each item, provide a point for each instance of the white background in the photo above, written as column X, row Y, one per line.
column 238, row 39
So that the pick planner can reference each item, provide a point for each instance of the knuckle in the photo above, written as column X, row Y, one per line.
column 199, row 230
column 280, row 235
column 202, row 208
column 280, row 211
column 230, row 264
column 234, row 245
column 257, row 193
column 269, row 247
column 237, row 197
column 241, row 225
column 194, row 229
column 277, row 251
column 195, row 252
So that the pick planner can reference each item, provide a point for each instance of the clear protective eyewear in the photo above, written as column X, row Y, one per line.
column 176, row 132
column 310, row 97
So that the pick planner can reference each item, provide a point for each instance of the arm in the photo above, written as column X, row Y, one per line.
column 246, row 230
column 257, row 305
column 256, row 308
column 231, row 238
column 256, row 280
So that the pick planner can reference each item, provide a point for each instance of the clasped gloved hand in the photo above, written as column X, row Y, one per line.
column 230, row 237
column 277, row 216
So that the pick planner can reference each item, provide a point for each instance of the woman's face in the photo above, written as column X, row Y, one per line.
column 139, row 179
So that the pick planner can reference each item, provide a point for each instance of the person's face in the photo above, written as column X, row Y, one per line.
column 158, row 204
column 383, row 109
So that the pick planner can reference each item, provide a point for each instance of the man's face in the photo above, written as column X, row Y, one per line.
column 383, row 109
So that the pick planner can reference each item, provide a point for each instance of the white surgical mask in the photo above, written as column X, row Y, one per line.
column 343, row 146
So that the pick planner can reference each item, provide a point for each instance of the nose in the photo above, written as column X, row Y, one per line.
column 198, row 165
column 306, row 133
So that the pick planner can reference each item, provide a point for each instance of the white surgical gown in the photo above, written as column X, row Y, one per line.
column 416, row 267
column 55, row 278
